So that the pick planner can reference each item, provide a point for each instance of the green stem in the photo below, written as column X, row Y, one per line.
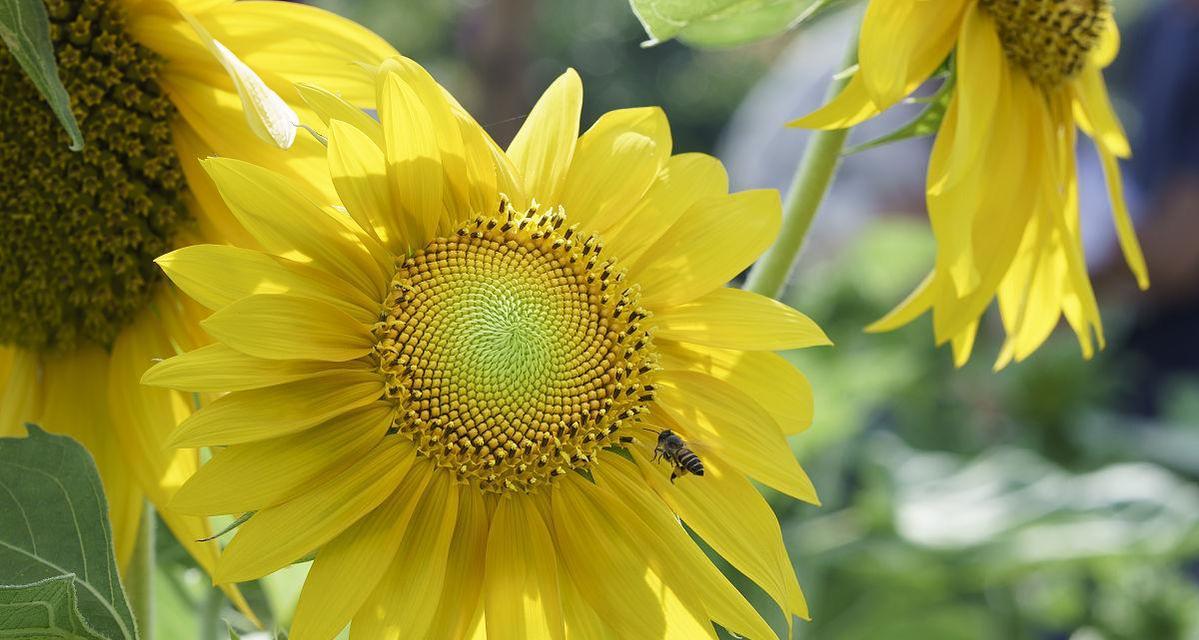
column 211, row 624
column 812, row 179
column 139, row 580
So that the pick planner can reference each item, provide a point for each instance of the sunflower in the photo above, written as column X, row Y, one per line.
column 155, row 85
column 450, row 386
column 1002, row 187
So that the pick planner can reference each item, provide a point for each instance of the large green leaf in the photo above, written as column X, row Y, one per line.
column 45, row 609
column 721, row 23
column 55, row 527
column 25, row 28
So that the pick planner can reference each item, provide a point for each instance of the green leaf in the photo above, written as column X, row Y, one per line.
column 722, row 23
column 25, row 28
column 924, row 124
column 55, row 527
column 48, row 609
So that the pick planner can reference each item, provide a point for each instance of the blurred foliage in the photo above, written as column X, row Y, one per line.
column 973, row 504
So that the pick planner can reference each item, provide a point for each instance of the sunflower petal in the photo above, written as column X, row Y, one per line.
column 1094, row 112
column 218, row 368
column 463, row 581
column 687, row 563
column 736, row 319
column 714, row 241
column 751, row 542
column 258, row 414
column 405, row 601
column 257, row 197
column 685, row 179
column 219, row 275
column 233, row 480
column 543, row 148
column 612, row 568
column 520, row 581
column 287, row 327
column 614, row 163
column 363, row 551
column 730, row 423
column 772, row 382
column 359, row 171
column 1129, row 243
column 316, row 516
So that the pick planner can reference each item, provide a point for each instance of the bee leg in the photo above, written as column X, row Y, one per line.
column 673, row 475
column 627, row 440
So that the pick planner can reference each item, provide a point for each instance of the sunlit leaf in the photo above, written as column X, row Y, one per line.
column 722, row 23
column 25, row 29
column 48, row 608
column 55, row 528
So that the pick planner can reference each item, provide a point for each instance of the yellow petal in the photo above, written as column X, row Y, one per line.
column 75, row 403
column 719, row 417
column 234, row 481
column 893, row 32
column 853, row 104
column 258, row 414
column 685, row 179
column 448, row 135
column 302, row 44
column 582, row 622
column 716, row 239
column 413, row 160
column 463, row 583
column 736, row 319
column 359, row 170
column 347, row 570
column 217, row 368
column 1105, row 50
column 520, row 582
column 542, row 149
column 1126, row 232
column 1093, row 110
column 687, row 564
column 772, row 382
column 287, row 327
column 329, row 106
column 981, row 70
column 21, row 400
column 219, row 275
column 406, row 599
column 287, row 222
column 751, row 541
column 614, row 163
column 142, row 419
column 316, row 516
column 917, row 302
column 611, row 565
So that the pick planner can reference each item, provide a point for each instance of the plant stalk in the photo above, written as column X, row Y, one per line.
column 139, row 579
column 812, row 179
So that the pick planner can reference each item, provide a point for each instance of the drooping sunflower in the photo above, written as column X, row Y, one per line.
column 155, row 85
column 1002, row 188
column 450, row 386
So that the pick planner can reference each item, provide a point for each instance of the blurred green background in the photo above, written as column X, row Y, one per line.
column 1058, row 498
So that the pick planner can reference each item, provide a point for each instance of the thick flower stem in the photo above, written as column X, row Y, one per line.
column 808, row 188
column 139, row 579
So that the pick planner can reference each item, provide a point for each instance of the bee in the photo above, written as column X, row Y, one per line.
column 674, row 450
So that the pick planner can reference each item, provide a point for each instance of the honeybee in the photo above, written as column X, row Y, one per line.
column 674, row 450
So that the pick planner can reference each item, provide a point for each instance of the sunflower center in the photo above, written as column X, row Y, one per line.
column 1049, row 39
column 513, row 350
column 79, row 230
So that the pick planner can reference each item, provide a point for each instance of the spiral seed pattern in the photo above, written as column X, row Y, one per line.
column 1049, row 39
column 79, row 230
column 514, row 350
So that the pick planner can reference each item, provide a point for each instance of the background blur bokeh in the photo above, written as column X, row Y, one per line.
column 1057, row 498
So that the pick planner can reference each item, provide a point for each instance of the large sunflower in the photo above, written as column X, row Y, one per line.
column 155, row 85
column 450, row 386
column 1002, row 186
